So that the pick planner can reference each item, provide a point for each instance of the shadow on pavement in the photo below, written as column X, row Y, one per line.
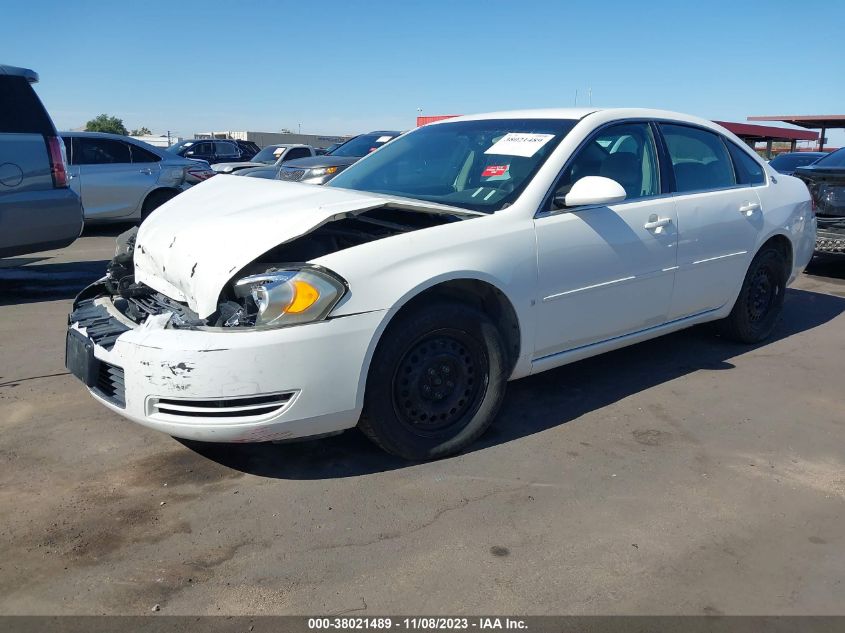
column 47, row 282
column 830, row 266
column 106, row 230
column 25, row 280
column 536, row 403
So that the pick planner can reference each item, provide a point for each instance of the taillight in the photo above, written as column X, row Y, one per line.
column 200, row 173
column 57, row 162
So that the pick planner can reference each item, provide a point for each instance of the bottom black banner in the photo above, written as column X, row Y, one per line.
column 534, row 624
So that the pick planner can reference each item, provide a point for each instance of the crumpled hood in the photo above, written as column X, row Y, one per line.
column 190, row 247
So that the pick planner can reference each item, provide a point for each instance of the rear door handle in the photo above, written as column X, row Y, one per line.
column 748, row 208
column 147, row 171
column 655, row 223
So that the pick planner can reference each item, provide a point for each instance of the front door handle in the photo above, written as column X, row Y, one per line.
column 655, row 223
column 748, row 208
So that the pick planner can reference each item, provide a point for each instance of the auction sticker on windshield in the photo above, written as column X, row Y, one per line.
column 494, row 170
column 519, row 144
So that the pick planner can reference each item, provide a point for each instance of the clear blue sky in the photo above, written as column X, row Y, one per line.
column 346, row 67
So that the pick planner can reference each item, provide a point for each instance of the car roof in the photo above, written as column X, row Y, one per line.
column 383, row 133
column 30, row 75
column 598, row 115
column 119, row 137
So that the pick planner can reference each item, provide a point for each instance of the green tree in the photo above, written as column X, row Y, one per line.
column 142, row 131
column 106, row 123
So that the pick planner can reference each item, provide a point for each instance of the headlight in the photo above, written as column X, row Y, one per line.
column 289, row 297
column 320, row 171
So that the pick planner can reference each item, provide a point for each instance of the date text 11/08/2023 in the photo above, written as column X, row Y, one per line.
column 422, row 623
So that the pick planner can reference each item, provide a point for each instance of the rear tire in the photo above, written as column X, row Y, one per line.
column 760, row 300
column 436, row 382
column 155, row 200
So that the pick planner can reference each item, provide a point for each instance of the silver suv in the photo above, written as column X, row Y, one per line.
column 38, row 211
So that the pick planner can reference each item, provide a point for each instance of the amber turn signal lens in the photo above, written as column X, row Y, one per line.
column 304, row 296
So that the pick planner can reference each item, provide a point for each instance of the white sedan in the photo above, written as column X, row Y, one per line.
column 402, row 297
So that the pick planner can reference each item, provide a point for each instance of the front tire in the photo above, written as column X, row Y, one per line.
column 436, row 382
column 760, row 300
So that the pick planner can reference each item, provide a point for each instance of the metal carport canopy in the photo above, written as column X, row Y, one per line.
column 823, row 122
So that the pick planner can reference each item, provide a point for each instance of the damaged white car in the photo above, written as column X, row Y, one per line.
column 404, row 295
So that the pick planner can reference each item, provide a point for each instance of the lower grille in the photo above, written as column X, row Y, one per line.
column 100, row 326
column 247, row 407
column 110, row 384
column 830, row 245
column 291, row 174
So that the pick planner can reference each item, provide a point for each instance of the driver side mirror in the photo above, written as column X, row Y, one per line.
column 591, row 190
column 190, row 152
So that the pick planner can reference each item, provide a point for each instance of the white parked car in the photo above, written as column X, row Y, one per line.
column 404, row 295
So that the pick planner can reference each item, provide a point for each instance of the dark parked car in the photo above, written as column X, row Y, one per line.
column 826, row 181
column 318, row 170
column 787, row 162
column 38, row 211
column 215, row 150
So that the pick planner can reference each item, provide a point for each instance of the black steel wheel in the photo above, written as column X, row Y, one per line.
column 760, row 301
column 436, row 381
column 441, row 378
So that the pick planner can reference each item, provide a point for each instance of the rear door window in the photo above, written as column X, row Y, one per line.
column 748, row 170
column 21, row 111
column 141, row 155
column 101, row 151
column 699, row 157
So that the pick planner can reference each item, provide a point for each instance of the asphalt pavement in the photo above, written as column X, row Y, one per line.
column 685, row 475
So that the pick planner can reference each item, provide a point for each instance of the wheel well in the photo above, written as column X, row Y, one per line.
column 158, row 192
column 782, row 243
column 483, row 296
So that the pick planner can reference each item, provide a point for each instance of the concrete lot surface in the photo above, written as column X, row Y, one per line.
column 683, row 475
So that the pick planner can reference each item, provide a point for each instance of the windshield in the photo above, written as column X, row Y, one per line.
column 362, row 145
column 791, row 161
column 834, row 159
column 477, row 165
column 268, row 155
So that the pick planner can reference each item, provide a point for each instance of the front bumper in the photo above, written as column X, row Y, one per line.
column 230, row 386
